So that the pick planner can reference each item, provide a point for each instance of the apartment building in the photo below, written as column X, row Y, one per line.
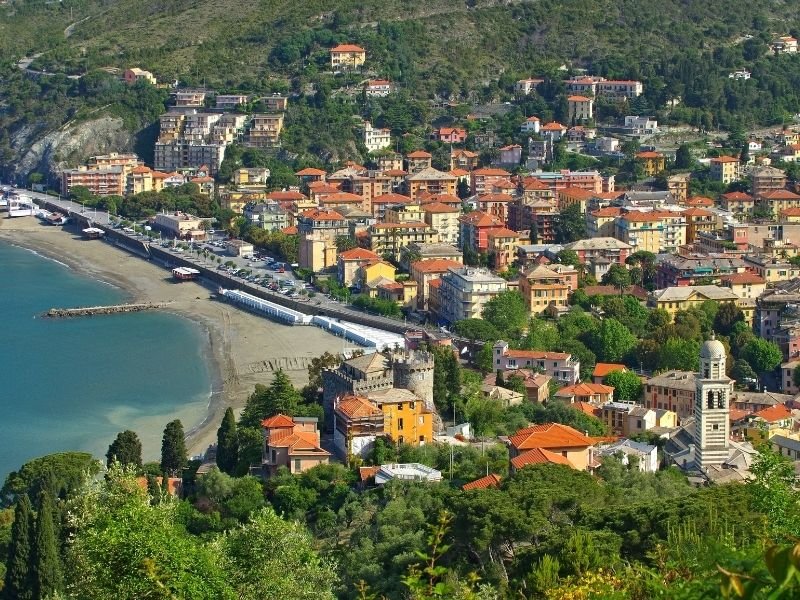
column 347, row 56
column 474, row 228
column 725, row 169
column 580, row 108
column 101, row 181
column 543, row 288
column 264, row 131
column 560, row 366
column 425, row 271
column 652, row 162
column 376, row 138
column 180, row 225
column 738, row 203
column 766, row 179
column 444, row 219
column 392, row 237
column 135, row 74
column 464, row 291
column 430, row 181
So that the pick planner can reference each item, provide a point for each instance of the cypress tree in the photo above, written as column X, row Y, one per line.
column 173, row 448
column 153, row 490
column 47, row 575
column 18, row 574
column 125, row 449
column 227, row 444
column 498, row 380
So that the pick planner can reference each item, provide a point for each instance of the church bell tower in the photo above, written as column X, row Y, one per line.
column 712, row 406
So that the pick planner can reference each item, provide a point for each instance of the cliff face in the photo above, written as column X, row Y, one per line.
column 68, row 146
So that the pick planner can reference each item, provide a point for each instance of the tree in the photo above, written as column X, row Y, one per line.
column 126, row 449
column 618, row 276
column 627, row 385
column 446, row 376
column 727, row 316
column 68, row 470
column 484, row 358
column 568, row 257
column 683, row 157
column 279, row 397
column 612, row 341
column 18, row 566
column 763, row 356
column 507, row 312
column 173, row 448
column 228, row 443
column 477, row 329
column 774, row 493
column 272, row 559
column 570, row 225
column 743, row 373
column 46, row 575
column 679, row 353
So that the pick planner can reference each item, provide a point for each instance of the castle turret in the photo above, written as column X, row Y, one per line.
column 414, row 371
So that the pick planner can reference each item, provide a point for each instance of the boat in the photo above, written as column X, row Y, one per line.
column 185, row 273
column 21, row 206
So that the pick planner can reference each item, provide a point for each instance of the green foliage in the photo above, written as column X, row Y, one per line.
column 387, row 308
column 627, row 385
column 612, row 341
column 774, row 495
column 279, row 397
column 65, row 471
column 125, row 449
column 173, row 448
column 446, row 377
column 727, row 317
column 680, row 354
column 477, row 329
column 18, row 576
column 46, row 570
column 507, row 313
column 762, row 355
column 570, row 225
column 618, row 276
column 228, row 443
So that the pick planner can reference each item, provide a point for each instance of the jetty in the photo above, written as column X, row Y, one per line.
column 88, row 311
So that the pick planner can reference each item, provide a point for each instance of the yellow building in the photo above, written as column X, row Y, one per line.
column 652, row 162
column 444, row 219
column 541, row 287
column 602, row 222
column 738, row 203
column 371, row 274
column 431, row 181
column 317, row 251
column 393, row 237
column 772, row 269
column 402, row 293
column 678, row 186
column 406, row 419
column 347, row 56
column 502, row 244
column 744, row 285
column 725, row 169
column 580, row 108
column 673, row 299
column 698, row 219
column 779, row 201
column 654, row 231
column 143, row 179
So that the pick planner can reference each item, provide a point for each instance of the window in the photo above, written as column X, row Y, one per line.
column 715, row 427
column 273, row 457
column 400, row 423
column 298, row 465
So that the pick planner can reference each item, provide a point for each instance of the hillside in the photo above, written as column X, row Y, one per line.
column 468, row 51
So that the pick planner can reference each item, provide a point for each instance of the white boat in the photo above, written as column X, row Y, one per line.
column 21, row 206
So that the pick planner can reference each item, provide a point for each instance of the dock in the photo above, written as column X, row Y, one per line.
column 88, row 311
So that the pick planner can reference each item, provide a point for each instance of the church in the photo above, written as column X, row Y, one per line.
column 703, row 447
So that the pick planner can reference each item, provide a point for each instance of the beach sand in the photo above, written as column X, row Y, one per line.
column 244, row 349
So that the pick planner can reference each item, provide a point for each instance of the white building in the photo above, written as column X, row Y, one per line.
column 743, row 74
column 524, row 87
column 641, row 125
column 464, row 292
column 646, row 456
column 376, row 139
column 712, row 406
column 378, row 88
column 531, row 125
column 407, row 472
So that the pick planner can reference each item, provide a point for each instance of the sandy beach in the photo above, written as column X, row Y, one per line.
column 243, row 349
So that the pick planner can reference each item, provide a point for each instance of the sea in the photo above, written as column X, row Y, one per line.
column 73, row 384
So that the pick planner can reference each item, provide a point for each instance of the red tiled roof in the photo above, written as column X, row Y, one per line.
column 539, row 456
column 358, row 254
column 458, row 172
column 347, row 48
column 367, row 473
column 391, row 199
column 649, row 155
column 310, row 171
column 444, row 198
column 490, row 481
column 724, row 159
column 772, row 414
column 502, row 232
column 780, row 195
column 576, row 192
column 603, row 369
column 342, row 197
column 395, row 172
column 418, row 154
column 495, row 198
column 536, row 354
column 320, row 214
column 585, row 389
column 741, row 196
column 699, row 201
column 578, row 99
column 608, row 211
column 737, row 414
column 791, row 212
column 436, row 265
column 553, row 126
column 288, row 195
column 489, row 172
column 743, row 278
column 585, row 407
column 697, row 212
column 355, row 407
column 140, row 170
column 481, row 219
column 299, row 442
column 462, row 152
column 276, row 421
column 549, row 435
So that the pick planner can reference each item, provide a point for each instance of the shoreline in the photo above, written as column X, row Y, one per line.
column 240, row 349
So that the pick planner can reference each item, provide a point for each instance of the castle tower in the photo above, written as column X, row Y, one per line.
column 712, row 406
column 414, row 371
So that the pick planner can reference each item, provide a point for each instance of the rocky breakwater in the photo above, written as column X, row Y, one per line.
column 89, row 311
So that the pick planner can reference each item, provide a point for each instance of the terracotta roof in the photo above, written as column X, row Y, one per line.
column 436, row 265
column 321, row 188
column 391, row 285
column 576, row 192
column 201, row 179
column 435, row 283
column 603, row 369
column 141, row 170
column 490, row 172
column 395, row 172
column 737, row 414
column 358, row 254
column 780, row 195
column 539, row 456
column 553, row 126
column 699, row 201
column 532, row 119
column 291, row 230
column 439, row 207
column 578, row 99
column 549, row 435
column 310, row 171
column 504, row 184
column 160, row 175
column 495, row 198
column 299, row 442
column 355, row 407
column 391, row 199
column 458, row 172
column 531, row 183
column 287, row 195
column 490, row 481
column 724, row 159
column 340, row 197
column 585, row 407
column 322, row 214
column 481, row 219
column 791, row 212
column 647, row 155
column 276, row 421
column 775, row 413
column 502, row 232
column 347, row 48
column 608, row 211
column 585, row 389
column 637, row 216
column 367, row 473
column 697, row 212
column 418, row 154
column 444, row 198
column 462, row 152
column 743, row 278
column 738, row 196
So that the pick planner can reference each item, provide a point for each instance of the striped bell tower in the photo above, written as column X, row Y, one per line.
column 712, row 406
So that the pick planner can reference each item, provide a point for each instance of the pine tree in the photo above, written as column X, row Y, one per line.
column 227, row 444
column 126, row 449
column 173, row 448
column 47, row 577
column 18, row 575
column 279, row 397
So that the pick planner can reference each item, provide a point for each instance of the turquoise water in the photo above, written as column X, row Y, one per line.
column 72, row 384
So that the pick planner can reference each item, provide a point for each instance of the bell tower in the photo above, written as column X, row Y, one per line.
column 712, row 406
